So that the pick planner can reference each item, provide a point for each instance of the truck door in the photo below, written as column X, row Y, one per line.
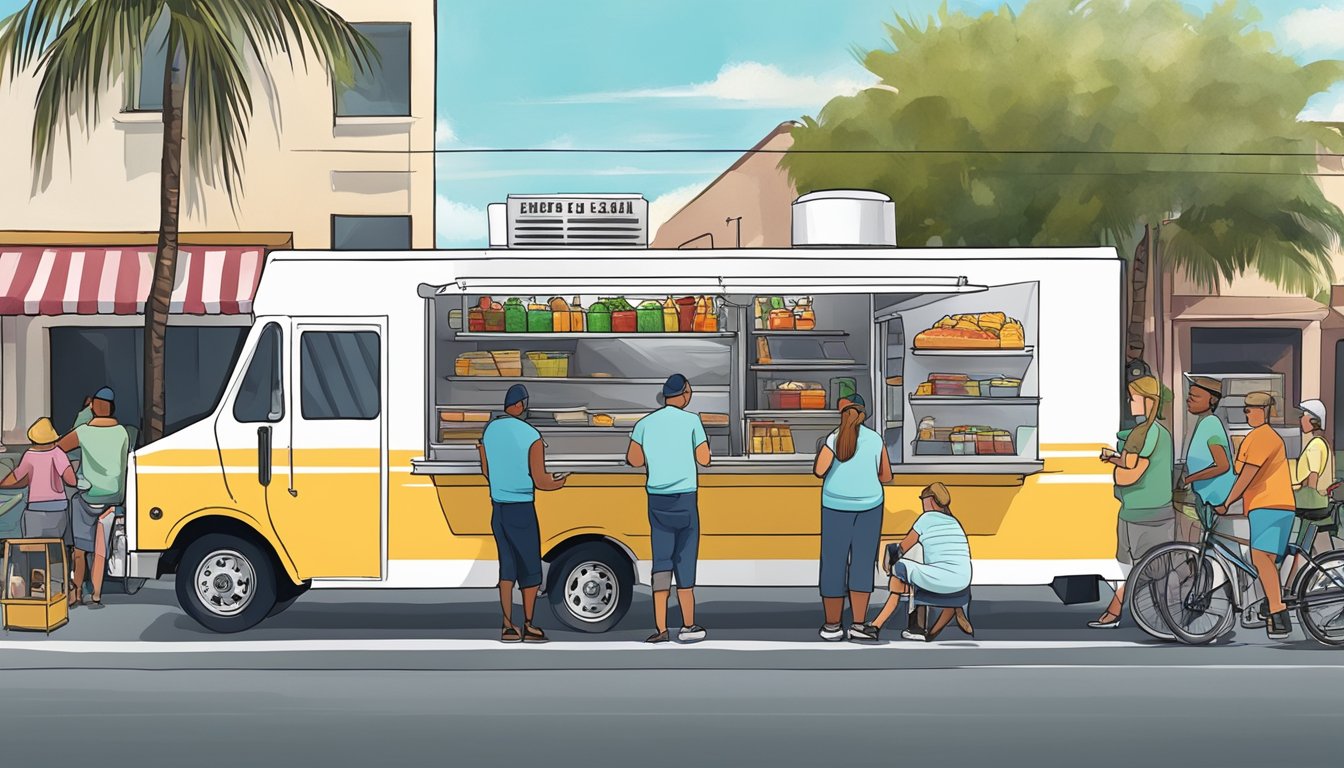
column 330, row 509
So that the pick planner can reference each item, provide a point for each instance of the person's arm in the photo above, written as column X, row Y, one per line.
column 1129, row 472
column 634, row 455
column 910, row 540
column 1316, row 458
column 1221, row 463
column 884, row 474
column 536, row 466
column 1244, row 479
column 70, row 442
column 68, row 476
column 825, row 457
column 14, row 479
column 702, row 456
column 701, row 443
column 485, row 465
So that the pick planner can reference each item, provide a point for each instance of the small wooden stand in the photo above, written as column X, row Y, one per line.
column 34, row 588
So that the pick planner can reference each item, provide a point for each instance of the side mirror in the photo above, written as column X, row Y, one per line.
column 264, row 455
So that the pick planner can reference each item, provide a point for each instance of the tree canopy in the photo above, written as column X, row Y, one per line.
column 1077, row 122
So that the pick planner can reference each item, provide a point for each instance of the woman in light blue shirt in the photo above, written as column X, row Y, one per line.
column 853, row 465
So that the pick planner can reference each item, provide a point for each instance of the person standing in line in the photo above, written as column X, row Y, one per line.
column 513, row 460
column 1265, row 486
column 1313, row 473
column 45, row 471
column 1143, row 484
column 104, row 446
column 853, row 465
column 1208, row 458
column 670, row 443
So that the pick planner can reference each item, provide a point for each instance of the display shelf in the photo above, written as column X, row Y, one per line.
column 1025, row 352
column 493, row 335
column 833, row 334
column 592, row 430
column 814, row 414
column 762, row 367
column 972, row 400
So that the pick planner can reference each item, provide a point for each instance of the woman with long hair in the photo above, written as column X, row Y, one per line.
column 1143, row 483
column 853, row 465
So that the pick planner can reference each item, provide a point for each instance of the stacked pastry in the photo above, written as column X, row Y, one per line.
column 986, row 330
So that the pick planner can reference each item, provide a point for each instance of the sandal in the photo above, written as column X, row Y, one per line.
column 510, row 635
column 533, row 635
column 95, row 604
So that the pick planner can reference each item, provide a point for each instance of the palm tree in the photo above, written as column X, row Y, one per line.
column 80, row 48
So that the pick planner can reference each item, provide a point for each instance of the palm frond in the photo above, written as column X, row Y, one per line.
column 305, row 27
column 27, row 31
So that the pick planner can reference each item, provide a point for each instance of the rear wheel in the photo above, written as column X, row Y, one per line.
column 1201, row 606
column 1152, row 580
column 226, row 583
column 1320, row 599
column 592, row 587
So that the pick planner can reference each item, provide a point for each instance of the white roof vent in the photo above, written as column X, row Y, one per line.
column 844, row 218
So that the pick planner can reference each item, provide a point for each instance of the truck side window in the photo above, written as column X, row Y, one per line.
column 261, row 397
column 340, row 375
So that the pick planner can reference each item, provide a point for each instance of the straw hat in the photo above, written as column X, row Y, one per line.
column 42, row 432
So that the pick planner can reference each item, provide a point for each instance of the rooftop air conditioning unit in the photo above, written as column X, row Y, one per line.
column 846, row 218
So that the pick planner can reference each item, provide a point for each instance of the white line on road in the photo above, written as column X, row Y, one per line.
column 408, row 645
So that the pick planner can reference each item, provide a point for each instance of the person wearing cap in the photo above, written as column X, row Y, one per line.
column 853, row 465
column 513, row 460
column 104, row 446
column 935, row 556
column 1208, row 457
column 1135, row 368
column 45, row 471
column 670, row 443
column 1264, row 485
column 1313, row 473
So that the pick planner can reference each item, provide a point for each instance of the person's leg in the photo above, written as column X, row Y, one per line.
column 77, row 584
column 858, row 606
column 964, row 622
column 832, row 608
column 508, row 561
column 660, row 596
column 1266, row 567
column 661, row 541
column 865, row 538
column 526, row 536
column 102, row 539
column 687, row 557
column 529, row 602
column 1123, row 555
column 1270, row 529
column 506, row 601
column 897, row 588
column 940, row 623
column 831, row 575
column 686, row 602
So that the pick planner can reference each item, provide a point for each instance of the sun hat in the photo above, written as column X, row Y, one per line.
column 42, row 432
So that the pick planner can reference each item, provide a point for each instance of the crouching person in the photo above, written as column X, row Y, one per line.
column 935, row 558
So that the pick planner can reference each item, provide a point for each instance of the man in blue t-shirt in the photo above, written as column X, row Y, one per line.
column 1208, row 458
column 671, row 442
column 513, row 460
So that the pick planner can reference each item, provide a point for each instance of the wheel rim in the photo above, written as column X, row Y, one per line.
column 1202, row 605
column 591, row 591
column 1322, row 602
column 1158, row 578
column 225, row 582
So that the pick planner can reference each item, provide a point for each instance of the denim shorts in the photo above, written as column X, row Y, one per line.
column 674, row 529
column 849, row 543
column 1270, row 530
column 518, row 539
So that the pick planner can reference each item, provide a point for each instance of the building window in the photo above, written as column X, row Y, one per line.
column 340, row 375
column 149, row 94
column 370, row 233
column 1248, row 360
column 385, row 88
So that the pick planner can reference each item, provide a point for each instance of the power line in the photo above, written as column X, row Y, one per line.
column 865, row 151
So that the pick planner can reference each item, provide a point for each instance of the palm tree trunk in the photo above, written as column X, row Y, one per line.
column 165, row 258
column 1138, row 294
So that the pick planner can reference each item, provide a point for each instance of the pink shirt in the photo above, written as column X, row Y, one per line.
column 43, row 470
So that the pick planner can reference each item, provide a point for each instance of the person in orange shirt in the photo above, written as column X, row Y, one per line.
column 1265, row 485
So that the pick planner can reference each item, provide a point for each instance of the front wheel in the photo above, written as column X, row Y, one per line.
column 225, row 583
column 1320, row 599
column 1202, row 607
column 1156, row 577
column 592, row 587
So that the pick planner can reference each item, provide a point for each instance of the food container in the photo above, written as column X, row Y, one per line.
column 1005, row 387
column 671, row 317
column 475, row 320
column 560, row 314
column 933, row 448
column 515, row 316
column 760, row 311
column 805, row 319
column 599, row 318
column 711, row 419
column 786, row 399
column 493, row 320
column 570, row 416
column 547, row 364
column 781, row 320
column 961, row 446
column 508, row 362
column 624, row 321
column 813, row 399
column 762, row 350
column 455, row 319
column 649, row 317
column 706, row 316
column 540, row 319
column 685, row 314
column 577, row 317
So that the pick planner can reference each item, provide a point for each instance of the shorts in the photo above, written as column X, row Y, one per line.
column 518, row 539
column 1133, row 540
column 47, row 520
column 674, row 532
column 1270, row 530
column 849, row 542
column 90, row 524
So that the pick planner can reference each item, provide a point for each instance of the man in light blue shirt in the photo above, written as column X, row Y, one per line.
column 513, row 460
column 671, row 443
column 1208, row 458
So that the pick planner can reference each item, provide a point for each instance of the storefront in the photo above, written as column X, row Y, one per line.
column 71, row 321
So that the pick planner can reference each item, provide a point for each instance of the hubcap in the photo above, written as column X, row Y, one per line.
column 591, row 591
column 225, row 581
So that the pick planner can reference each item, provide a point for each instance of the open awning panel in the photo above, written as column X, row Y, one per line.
column 709, row 284
column 91, row 281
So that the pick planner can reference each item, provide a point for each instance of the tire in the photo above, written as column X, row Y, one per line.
column 1201, row 612
column 591, row 587
column 226, row 583
column 287, row 594
column 1321, row 601
column 1155, row 569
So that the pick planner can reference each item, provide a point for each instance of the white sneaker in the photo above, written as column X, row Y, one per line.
column 916, row 636
column 831, row 633
column 692, row 634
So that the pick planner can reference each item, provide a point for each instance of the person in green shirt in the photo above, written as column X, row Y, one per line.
column 104, row 447
column 1143, row 483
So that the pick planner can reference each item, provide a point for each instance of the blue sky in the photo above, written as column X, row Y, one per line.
column 674, row 73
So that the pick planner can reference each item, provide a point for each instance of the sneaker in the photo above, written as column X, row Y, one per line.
column 918, row 637
column 1280, row 626
column 831, row 633
column 658, row 638
column 862, row 633
column 692, row 634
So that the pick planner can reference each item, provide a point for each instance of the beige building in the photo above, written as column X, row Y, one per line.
column 322, row 168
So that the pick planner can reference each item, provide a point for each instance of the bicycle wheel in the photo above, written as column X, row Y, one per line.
column 1202, row 607
column 1152, row 580
column 1320, row 598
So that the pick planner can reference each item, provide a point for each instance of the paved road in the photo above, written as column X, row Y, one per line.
column 410, row 677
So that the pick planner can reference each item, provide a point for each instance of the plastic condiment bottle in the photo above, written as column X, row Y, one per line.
column 670, row 316
column 699, row 325
column 711, row 316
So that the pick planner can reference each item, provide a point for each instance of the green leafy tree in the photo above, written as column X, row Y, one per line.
column 1083, row 123
column 81, row 48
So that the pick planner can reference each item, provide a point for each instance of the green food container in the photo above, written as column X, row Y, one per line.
column 599, row 318
column 540, row 321
column 515, row 316
column 649, row 317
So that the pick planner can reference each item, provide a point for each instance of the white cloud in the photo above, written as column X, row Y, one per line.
column 458, row 223
column 444, row 133
column 1316, row 27
column 665, row 206
column 1330, row 110
column 747, row 85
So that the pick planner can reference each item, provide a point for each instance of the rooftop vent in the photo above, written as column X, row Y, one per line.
column 846, row 218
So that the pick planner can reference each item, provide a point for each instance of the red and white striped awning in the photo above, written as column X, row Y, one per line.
column 91, row 281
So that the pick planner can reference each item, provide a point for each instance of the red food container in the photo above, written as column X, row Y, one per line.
column 686, row 314
column 624, row 322
column 786, row 399
column 475, row 320
column 493, row 320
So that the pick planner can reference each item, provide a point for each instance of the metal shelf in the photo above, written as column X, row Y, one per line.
column 972, row 400
column 833, row 334
column 579, row 335
column 1025, row 352
column 581, row 380
column 809, row 367
column 799, row 414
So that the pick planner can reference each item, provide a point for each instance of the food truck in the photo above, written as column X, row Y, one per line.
column 343, row 451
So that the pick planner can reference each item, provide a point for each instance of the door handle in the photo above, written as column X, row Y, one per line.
column 264, row 455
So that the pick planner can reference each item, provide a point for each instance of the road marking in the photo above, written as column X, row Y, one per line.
column 411, row 646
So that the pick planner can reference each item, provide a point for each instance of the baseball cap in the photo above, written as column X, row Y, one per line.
column 105, row 394
column 1206, row 383
column 675, row 385
column 1314, row 407
column 1259, row 400
column 856, row 399
column 516, row 394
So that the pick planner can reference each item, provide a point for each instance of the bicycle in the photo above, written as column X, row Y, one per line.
column 1194, row 592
